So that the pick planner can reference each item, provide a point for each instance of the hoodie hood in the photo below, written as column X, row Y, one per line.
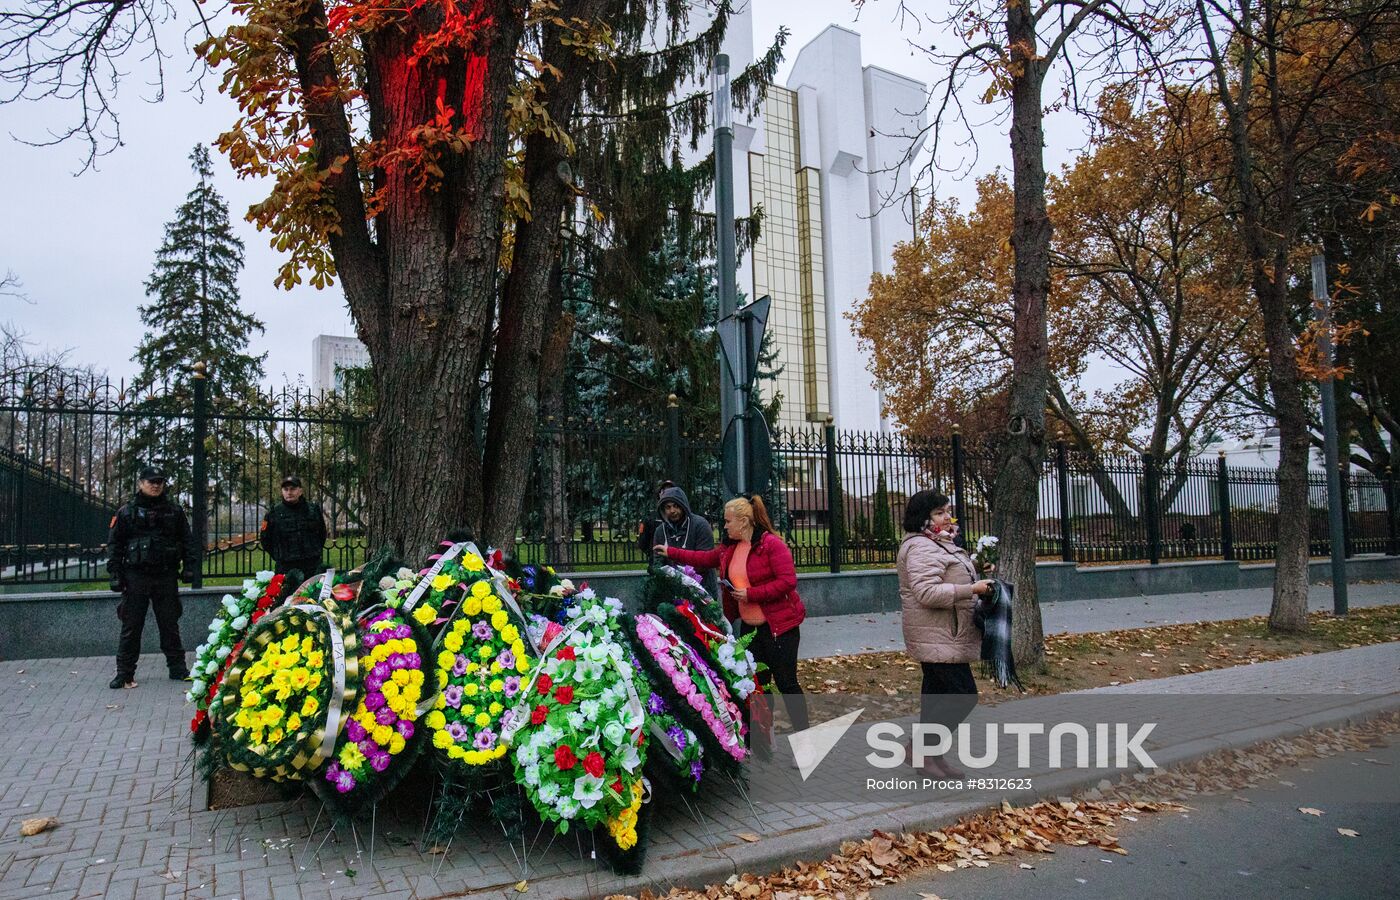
column 673, row 495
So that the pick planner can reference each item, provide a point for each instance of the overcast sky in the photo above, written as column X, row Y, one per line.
column 83, row 245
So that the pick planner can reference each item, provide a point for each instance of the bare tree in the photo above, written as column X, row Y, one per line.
column 1013, row 48
column 1271, row 65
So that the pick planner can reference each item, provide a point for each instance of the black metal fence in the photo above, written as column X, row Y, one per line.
column 68, row 454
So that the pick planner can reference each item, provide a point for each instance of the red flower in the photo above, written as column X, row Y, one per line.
column 538, row 715
column 566, row 653
column 497, row 560
column 343, row 592
column 564, row 758
column 198, row 720
column 593, row 764
column 544, row 683
column 617, row 786
column 565, row 695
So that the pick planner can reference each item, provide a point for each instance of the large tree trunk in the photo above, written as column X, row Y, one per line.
column 1267, row 235
column 1022, row 449
column 1289, row 611
column 525, row 308
column 420, row 287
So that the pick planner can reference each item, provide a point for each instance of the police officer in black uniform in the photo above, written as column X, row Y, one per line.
column 294, row 531
column 149, row 547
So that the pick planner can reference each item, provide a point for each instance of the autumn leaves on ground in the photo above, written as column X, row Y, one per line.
column 1021, row 835
column 1079, row 661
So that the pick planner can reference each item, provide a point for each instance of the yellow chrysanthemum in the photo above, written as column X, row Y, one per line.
column 473, row 563
column 424, row 615
column 471, row 688
column 499, row 619
column 497, row 685
column 495, row 708
column 396, row 743
column 491, row 604
column 442, row 740
column 453, row 642
column 351, row 757
column 510, row 634
column 436, row 720
column 486, row 651
column 482, row 720
column 442, row 582
column 381, row 734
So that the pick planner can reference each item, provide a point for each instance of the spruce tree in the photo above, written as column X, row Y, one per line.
column 194, row 316
column 884, row 516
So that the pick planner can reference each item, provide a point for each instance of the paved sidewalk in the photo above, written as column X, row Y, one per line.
column 877, row 632
column 109, row 764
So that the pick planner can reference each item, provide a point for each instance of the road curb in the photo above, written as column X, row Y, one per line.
column 811, row 844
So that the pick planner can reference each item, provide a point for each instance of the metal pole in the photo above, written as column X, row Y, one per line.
column 200, row 474
column 959, row 493
column 835, row 503
column 733, row 403
column 673, row 438
column 1062, row 482
column 1336, row 527
column 1227, row 531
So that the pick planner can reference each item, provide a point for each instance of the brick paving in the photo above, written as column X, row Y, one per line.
column 113, row 767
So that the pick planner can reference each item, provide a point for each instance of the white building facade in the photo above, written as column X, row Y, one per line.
column 331, row 355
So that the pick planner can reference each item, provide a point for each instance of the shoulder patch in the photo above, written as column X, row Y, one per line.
column 113, row 523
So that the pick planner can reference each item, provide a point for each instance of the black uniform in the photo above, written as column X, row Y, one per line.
column 150, row 540
column 294, row 535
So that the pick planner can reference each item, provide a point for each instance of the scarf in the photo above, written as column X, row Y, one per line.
column 993, row 616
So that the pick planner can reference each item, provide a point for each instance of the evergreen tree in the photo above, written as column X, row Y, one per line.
column 194, row 316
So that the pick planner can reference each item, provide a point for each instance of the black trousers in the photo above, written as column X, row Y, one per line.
column 158, row 592
column 948, row 694
column 308, row 567
column 779, row 654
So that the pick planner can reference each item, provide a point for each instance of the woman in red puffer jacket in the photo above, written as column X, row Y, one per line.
column 759, row 587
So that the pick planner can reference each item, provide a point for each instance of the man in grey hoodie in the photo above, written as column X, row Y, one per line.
column 675, row 525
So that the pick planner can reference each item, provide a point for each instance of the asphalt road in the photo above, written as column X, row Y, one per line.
column 1224, row 847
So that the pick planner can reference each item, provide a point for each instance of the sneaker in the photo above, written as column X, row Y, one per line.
column 122, row 681
column 179, row 674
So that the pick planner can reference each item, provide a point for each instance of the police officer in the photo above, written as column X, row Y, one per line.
column 149, row 546
column 294, row 531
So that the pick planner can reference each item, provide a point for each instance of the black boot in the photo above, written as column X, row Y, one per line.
column 122, row 681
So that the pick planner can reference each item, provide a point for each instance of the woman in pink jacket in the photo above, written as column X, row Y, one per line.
column 759, row 587
column 938, row 591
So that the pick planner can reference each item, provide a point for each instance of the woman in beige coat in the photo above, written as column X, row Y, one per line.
column 938, row 590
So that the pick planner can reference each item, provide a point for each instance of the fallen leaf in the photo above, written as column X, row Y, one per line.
column 1309, row 811
column 522, row 886
column 1347, row 832
column 1027, row 866
column 944, row 867
column 748, row 836
column 31, row 827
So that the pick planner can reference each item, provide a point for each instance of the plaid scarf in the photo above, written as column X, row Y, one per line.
column 993, row 616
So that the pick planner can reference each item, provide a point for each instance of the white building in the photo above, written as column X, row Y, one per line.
column 331, row 355
column 827, row 160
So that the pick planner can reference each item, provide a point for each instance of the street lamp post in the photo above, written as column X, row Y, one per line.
column 1335, row 525
column 733, row 403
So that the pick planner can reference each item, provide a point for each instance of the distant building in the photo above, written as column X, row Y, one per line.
column 331, row 355
column 826, row 159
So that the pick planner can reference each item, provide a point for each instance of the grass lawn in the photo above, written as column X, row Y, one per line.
column 1078, row 661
